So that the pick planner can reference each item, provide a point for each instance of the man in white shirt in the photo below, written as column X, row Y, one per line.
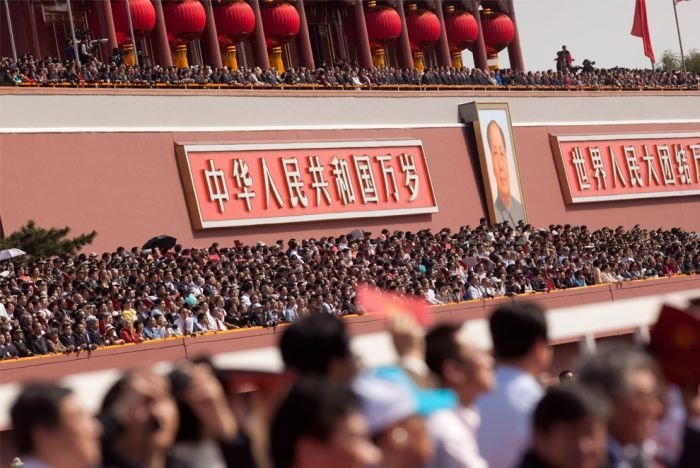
column 519, row 336
column 468, row 372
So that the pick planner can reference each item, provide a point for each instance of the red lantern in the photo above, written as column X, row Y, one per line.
column 383, row 26
column 280, row 22
column 234, row 21
column 143, row 19
column 423, row 29
column 461, row 29
column 184, row 20
column 498, row 32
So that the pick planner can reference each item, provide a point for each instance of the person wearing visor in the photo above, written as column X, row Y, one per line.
column 395, row 408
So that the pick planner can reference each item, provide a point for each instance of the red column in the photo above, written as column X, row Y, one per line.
column 479, row 52
column 444, row 56
column 405, row 56
column 106, row 21
column 364, row 52
column 515, row 53
column 160, row 36
column 20, row 28
column 257, row 39
column 34, row 37
column 303, row 40
column 210, row 40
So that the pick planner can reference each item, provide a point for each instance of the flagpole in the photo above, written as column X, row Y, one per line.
column 678, row 28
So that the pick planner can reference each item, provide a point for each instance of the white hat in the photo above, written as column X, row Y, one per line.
column 383, row 403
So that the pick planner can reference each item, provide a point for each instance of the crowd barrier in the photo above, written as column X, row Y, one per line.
column 173, row 349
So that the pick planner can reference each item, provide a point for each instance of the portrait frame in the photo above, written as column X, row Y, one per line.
column 481, row 115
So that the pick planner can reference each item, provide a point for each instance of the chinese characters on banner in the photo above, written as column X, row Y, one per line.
column 622, row 167
column 254, row 184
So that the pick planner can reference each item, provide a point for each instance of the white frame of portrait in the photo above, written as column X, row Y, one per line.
column 484, row 157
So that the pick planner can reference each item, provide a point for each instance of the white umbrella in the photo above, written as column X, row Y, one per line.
column 10, row 253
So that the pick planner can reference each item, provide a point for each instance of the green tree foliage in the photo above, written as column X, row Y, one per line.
column 40, row 242
column 672, row 61
column 692, row 61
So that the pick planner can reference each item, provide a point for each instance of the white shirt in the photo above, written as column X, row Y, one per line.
column 454, row 432
column 505, row 432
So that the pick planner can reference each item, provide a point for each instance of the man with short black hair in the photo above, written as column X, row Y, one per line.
column 519, row 336
column 52, row 430
column 319, row 345
column 569, row 430
column 319, row 425
column 467, row 371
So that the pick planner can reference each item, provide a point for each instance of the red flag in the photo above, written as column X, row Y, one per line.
column 640, row 28
column 385, row 304
column 675, row 341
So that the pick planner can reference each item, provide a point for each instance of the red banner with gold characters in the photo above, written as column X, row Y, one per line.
column 255, row 184
column 596, row 168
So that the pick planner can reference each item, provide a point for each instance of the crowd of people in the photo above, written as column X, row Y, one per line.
column 73, row 304
column 28, row 70
column 444, row 403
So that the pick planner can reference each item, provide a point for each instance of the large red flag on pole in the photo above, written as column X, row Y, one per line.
column 640, row 28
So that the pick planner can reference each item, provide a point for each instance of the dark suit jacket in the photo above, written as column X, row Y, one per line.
column 95, row 338
column 67, row 340
column 690, row 455
column 38, row 345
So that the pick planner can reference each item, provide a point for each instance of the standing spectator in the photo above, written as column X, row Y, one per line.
column 564, row 60
column 319, row 345
column 469, row 373
column 629, row 380
column 52, row 429
column 519, row 336
column 570, row 430
column 140, row 420
column 394, row 409
column 319, row 425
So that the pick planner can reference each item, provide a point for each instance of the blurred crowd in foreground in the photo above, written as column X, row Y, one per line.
column 51, row 71
column 444, row 403
column 74, row 304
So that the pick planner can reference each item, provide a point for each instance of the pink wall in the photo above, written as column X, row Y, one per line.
column 545, row 203
column 127, row 186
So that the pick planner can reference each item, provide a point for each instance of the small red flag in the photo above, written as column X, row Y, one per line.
column 675, row 341
column 640, row 28
column 386, row 304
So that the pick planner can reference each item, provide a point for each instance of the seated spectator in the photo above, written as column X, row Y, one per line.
column 128, row 333
column 54, row 343
column 7, row 349
column 37, row 341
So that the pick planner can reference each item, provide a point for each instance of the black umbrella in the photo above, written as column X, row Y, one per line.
column 162, row 242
